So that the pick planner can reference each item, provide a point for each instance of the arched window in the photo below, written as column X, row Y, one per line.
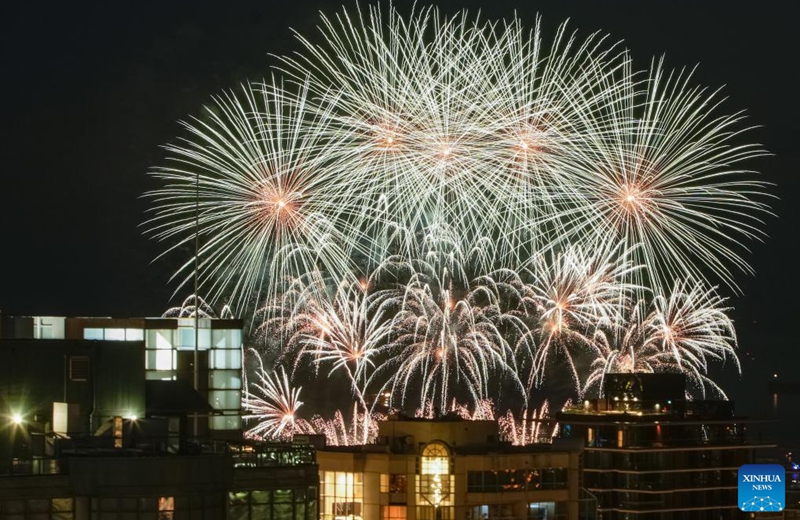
column 435, row 459
column 435, row 485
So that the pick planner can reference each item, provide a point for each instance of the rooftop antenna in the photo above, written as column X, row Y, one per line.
column 196, row 292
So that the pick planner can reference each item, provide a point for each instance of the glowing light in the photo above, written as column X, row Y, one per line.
column 16, row 418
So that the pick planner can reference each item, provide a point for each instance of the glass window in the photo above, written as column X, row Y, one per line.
column 261, row 511
column 93, row 334
column 226, row 338
column 230, row 359
column 238, row 497
column 283, row 495
column 435, row 459
column 61, row 504
column 260, row 497
column 164, row 359
column 134, row 335
column 166, row 508
column 394, row 513
column 238, row 513
column 225, row 379
column 205, row 339
column 341, row 495
column 114, row 334
column 225, row 399
column 186, row 338
column 225, row 422
column 159, row 339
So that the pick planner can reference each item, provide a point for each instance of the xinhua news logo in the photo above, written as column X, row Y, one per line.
column 762, row 487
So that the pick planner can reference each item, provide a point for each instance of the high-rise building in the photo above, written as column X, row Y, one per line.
column 651, row 454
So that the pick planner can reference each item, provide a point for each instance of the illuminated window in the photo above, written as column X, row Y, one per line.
column 394, row 483
column 342, row 495
column 435, row 485
column 134, row 335
column 115, row 334
column 394, row 513
column 541, row 510
column 435, row 459
column 62, row 508
column 93, row 334
column 166, row 508
column 117, row 432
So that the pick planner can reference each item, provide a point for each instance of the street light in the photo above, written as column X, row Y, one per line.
column 16, row 418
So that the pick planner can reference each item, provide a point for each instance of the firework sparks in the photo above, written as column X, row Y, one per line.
column 683, row 332
column 434, row 205
column 249, row 183
column 530, row 427
column 274, row 407
column 444, row 340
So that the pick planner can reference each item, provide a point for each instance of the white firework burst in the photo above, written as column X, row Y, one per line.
column 682, row 333
column 272, row 402
column 665, row 174
column 576, row 293
column 248, row 181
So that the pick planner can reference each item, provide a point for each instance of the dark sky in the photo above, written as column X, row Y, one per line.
column 90, row 92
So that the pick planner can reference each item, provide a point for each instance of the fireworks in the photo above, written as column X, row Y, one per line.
column 276, row 405
column 442, row 211
column 682, row 333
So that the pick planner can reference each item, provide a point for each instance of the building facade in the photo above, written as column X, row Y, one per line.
column 167, row 347
column 98, row 422
column 650, row 454
column 450, row 469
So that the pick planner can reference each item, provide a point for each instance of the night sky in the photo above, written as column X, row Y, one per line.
column 90, row 92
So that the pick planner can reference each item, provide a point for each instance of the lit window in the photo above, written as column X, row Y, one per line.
column 342, row 495
column 435, row 487
column 186, row 338
column 394, row 513
column 62, row 508
column 93, row 334
column 435, row 459
column 394, row 483
column 134, row 335
column 114, row 334
column 166, row 508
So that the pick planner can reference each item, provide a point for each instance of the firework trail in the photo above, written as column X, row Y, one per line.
column 444, row 339
column 266, row 211
column 530, row 427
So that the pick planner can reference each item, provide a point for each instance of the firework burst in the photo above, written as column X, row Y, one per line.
column 682, row 333
column 275, row 405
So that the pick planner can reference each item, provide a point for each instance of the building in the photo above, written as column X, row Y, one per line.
column 101, row 419
column 650, row 454
column 450, row 469
column 166, row 346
